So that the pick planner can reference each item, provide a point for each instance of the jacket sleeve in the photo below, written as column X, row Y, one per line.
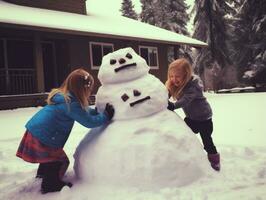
column 188, row 96
column 86, row 118
column 92, row 111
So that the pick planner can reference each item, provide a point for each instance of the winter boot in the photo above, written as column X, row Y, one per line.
column 40, row 170
column 48, row 186
column 51, row 181
column 215, row 161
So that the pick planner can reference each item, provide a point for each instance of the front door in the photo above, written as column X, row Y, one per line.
column 49, row 66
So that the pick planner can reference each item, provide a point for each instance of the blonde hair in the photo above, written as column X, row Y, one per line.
column 183, row 67
column 79, row 83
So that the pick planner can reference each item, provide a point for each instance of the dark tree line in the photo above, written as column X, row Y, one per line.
column 211, row 26
column 249, row 41
column 168, row 14
column 235, row 31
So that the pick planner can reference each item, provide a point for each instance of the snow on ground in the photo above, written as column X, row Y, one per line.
column 239, row 134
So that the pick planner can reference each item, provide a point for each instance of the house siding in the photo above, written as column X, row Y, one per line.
column 72, row 51
column 73, row 6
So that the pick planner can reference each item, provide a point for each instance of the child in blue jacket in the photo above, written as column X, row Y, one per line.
column 48, row 130
column 186, row 90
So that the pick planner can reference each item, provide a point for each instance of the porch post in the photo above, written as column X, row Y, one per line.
column 7, row 84
column 39, row 63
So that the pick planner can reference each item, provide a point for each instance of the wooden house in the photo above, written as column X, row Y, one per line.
column 42, row 41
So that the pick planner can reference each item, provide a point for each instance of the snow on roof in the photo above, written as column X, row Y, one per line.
column 116, row 27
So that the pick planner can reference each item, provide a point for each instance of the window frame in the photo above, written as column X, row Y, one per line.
column 157, row 56
column 93, row 67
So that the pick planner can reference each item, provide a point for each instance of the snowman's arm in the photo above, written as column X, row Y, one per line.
column 85, row 118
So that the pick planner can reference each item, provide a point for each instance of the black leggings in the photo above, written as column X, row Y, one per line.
column 59, row 166
column 205, row 129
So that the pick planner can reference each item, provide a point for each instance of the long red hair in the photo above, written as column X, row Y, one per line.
column 79, row 83
column 181, row 67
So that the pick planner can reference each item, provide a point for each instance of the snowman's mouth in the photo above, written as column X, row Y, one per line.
column 140, row 101
column 125, row 67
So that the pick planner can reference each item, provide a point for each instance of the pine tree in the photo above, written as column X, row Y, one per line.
column 167, row 14
column 211, row 27
column 250, row 41
column 148, row 13
column 127, row 9
column 177, row 16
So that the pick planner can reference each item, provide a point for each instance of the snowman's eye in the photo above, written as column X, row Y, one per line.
column 125, row 97
column 129, row 55
column 136, row 93
column 112, row 61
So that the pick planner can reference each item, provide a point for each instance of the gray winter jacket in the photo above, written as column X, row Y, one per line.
column 193, row 102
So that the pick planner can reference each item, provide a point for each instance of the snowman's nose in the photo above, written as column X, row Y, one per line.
column 122, row 60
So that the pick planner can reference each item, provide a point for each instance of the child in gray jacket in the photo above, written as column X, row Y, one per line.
column 187, row 91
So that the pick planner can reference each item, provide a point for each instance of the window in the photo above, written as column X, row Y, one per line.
column 97, row 51
column 150, row 54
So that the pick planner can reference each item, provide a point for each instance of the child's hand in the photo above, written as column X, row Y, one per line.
column 109, row 110
column 171, row 106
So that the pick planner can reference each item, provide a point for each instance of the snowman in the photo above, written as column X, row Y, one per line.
column 145, row 145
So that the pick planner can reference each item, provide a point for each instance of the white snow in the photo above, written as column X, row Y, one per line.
column 112, row 26
column 239, row 134
column 238, row 89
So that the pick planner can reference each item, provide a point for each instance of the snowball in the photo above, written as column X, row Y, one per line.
column 153, row 152
column 121, row 66
column 134, row 99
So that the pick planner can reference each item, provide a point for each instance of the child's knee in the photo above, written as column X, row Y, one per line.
column 191, row 125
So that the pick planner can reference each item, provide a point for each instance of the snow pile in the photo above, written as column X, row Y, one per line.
column 146, row 146
column 156, row 96
column 239, row 133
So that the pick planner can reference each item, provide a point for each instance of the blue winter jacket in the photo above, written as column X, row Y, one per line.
column 53, row 123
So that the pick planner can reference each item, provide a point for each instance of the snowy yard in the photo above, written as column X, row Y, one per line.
column 239, row 135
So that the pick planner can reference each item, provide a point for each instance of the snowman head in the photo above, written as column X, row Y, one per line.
column 121, row 66
column 134, row 99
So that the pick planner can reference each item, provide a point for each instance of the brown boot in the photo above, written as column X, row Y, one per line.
column 215, row 161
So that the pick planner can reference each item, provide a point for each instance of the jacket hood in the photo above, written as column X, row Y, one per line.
column 58, row 98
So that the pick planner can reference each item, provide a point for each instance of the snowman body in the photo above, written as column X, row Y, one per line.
column 145, row 145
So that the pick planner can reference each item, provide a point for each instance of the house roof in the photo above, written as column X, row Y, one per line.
column 98, row 25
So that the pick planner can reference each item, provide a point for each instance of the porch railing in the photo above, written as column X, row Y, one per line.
column 17, row 81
